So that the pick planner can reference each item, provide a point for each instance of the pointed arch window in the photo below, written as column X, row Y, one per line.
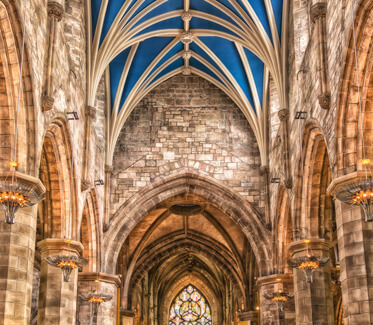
column 190, row 307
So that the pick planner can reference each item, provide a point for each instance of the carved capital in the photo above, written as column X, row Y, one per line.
column 186, row 71
column 55, row 10
column 85, row 185
column 263, row 170
column 283, row 114
column 105, row 227
column 186, row 37
column 289, row 183
column 47, row 103
column 324, row 100
column 186, row 16
column 318, row 10
column 109, row 169
column 90, row 112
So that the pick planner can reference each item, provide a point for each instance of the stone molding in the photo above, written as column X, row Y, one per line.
column 55, row 10
column 314, row 244
column 186, row 37
column 186, row 16
column 47, row 103
column 318, row 10
column 103, row 277
column 59, row 244
column 25, row 179
column 345, row 179
column 263, row 170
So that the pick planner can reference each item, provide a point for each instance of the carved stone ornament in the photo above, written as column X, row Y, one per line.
column 283, row 114
column 186, row 16
column 187, row 55
column 109, row 169
column 289, row 183
column 186, row 71
column 90, row 112
column 186, row 37
column 46, row 103
column 55, row 10
column 85, row 185
column 318, row 10
column 324, row 100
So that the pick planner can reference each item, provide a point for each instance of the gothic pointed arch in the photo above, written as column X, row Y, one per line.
column 10, row 59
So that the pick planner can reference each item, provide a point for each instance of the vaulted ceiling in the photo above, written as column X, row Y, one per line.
column 234, row 44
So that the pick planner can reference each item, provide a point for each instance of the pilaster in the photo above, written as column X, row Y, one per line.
column 283, row 115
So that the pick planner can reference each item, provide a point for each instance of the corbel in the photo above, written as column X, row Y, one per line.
column 55, row 14
column 318, row 18
column 90, row 115
column 283, row 115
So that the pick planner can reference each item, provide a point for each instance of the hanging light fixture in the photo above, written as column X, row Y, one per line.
column 96, row 298
column 279, row 298
column 308, row 263
column 359, row 191
column 67, row 263
column 18, row 190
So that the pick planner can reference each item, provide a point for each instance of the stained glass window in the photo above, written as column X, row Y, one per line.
column 190, row 308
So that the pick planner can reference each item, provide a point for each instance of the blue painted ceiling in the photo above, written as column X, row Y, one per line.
column 242, row 15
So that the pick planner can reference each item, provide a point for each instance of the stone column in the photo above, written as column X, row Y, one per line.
column 55, row 14
column 57, row 300
column 107, row 312
column 17, row 262
column 355, row 244
column 313, row 301
column 268, row 310
column 108, row 172
column 283, row 115
column 318, row 17
column 90, row 115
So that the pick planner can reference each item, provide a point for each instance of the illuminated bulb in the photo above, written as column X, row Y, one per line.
column 13, row 164
column 307, row 241
column 365, row 161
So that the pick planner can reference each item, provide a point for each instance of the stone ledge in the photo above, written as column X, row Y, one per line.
column 345, row 179
column 248, row 315
column 315, row 243
column 59, row 244
column 103, row 277
column 285, row 278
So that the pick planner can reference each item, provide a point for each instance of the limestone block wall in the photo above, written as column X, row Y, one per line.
column 186, row 123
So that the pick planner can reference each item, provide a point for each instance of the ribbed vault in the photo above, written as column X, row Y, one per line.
column 173, row 247
column 236, row 45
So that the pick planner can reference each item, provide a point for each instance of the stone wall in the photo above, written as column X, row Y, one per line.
column 186, row 123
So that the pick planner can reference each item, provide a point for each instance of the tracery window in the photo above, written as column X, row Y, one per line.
column 190, row 308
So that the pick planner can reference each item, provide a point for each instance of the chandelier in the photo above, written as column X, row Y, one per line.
column 308, row 263
column 18, row 191
column 67, row 263
column 279, row 298
column 96, row 298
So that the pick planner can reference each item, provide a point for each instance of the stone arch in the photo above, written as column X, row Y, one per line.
column 57, row 220
column 312, row 200
column 349, row 140
column 187, row 181
column 10, row 57
column 89, row 231
column 283, row 232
